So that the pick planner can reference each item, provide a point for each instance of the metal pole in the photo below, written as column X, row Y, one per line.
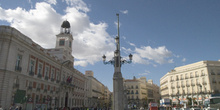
column 118, row 88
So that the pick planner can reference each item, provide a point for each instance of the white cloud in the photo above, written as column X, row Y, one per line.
column 123, row 37
column 138, row 59
column 116, row 25
column 145, row 73
column 54, row 2
column 170, row 61
column 91, row 41
column 124, row 11
column 42, row 24
column 78, row 4
column 184, row 59
column 158, row 55
column 131, row 44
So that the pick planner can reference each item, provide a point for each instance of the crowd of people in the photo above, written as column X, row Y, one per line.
column 61, row 108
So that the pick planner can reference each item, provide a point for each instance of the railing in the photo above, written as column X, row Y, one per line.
column 52, row 79
column 165, row 95
column 57, row 91
column 213, row 81
column 203, row 74
column 212, row 73
column 46, row 77
column 164, row 82
column 39, row 75
column 164, row 89
column 38, row 89
column 18, row 68
column 57, row 81
column 31, row 73
column 192, row 84
column 29, row 88
column 45, row 90
column 16, row 85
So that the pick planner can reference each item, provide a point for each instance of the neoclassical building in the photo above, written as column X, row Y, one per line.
column 98, row 94
column 32, row 76
column 140, row 92
column 196, row 81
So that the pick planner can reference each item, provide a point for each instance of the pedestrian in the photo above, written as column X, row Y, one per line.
column 20, row 108
column 16, row 108
column 1, row 107
column 11, row 107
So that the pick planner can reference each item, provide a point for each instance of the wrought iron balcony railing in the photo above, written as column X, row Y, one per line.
column 18, row 68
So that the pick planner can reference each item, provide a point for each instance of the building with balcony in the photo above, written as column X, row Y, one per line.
column 140, row 92
column 33, row 76
column 98, row 95
column 196, row 82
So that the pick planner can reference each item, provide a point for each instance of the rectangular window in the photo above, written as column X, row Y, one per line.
column 31, row 67
column 52, row 74
column 18, row 63
column 58, row 73
column 70, row 44
column 186, row 76
column 45, row 87
column 202, row 73
column 191, row 75
column 40, row 69
column 46, row 71
column 61, row 42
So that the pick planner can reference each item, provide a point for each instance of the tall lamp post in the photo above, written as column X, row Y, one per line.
column 118, row 88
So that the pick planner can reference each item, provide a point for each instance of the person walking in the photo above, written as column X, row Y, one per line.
column 1, row 107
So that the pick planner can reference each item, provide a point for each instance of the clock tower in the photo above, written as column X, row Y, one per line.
column 64, row 42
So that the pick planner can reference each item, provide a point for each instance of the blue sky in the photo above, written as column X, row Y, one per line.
column 161, row 34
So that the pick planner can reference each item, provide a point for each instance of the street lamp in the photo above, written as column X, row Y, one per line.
column 117, row 61
column 201, row 92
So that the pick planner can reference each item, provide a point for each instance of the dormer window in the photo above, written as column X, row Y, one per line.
column 61, row 42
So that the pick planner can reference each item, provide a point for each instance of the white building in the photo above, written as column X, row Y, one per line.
column 140, row 92
column 195, row 81
column 33, row 76
column 98, row 95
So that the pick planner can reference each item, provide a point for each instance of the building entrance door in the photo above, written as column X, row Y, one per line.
column 66, row 99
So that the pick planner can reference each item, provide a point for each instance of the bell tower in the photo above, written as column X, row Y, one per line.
column 64, row 42
column 65, row 38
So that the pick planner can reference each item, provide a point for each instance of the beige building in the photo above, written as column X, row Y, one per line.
column 32, row 76
column 98, row 95
column 141, row 92
column 195, row 81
